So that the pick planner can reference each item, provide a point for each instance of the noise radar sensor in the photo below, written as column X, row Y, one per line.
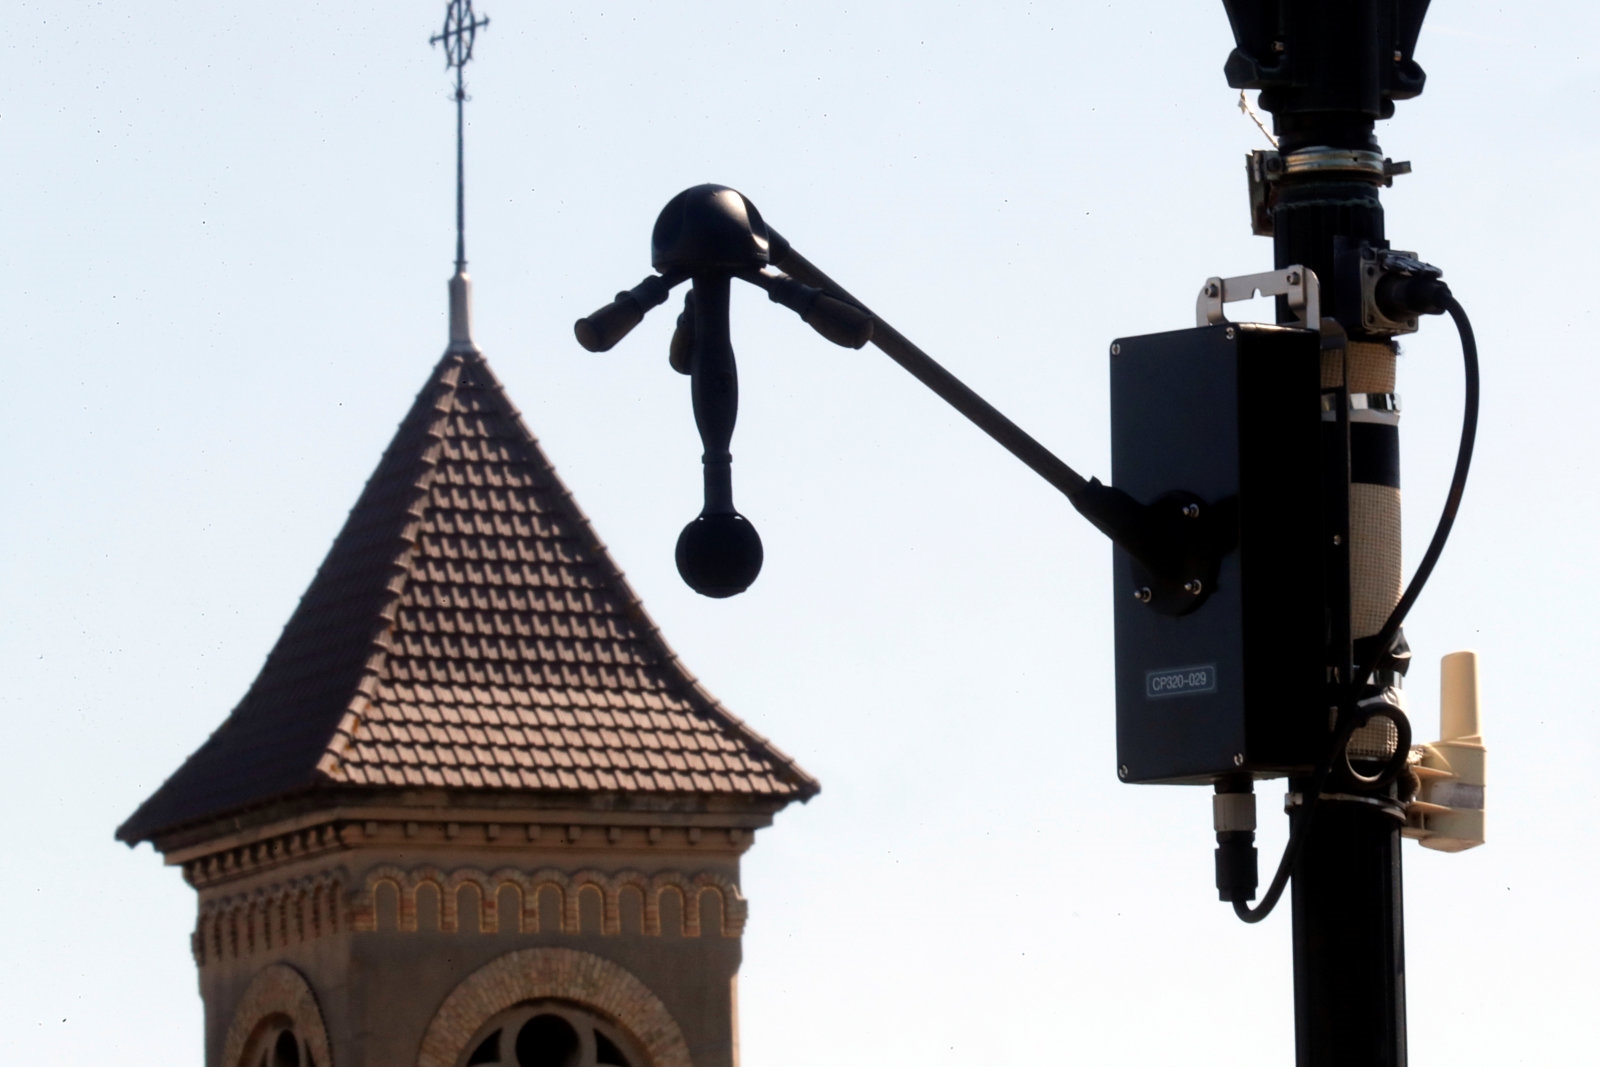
column 1218, row 649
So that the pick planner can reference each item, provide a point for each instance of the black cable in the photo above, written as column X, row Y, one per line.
column 1452, row 503
column 1349, row 721
column 1280, row 878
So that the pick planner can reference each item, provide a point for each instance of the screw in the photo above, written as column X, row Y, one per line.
column 1238, row 759
column 1122, row 771
column 1397, row 55
column 1191, row 511
column 1142, row 594
column 1277, row 46
column 1193, row 587
column 1293, row 278
column 1229, row 333
column 1211, row 290
column 1337, row 540
column 1116, row 349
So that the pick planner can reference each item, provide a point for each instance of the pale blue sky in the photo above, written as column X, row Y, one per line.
column 227, row 231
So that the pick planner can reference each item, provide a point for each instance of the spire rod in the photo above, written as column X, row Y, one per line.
column 461, row 27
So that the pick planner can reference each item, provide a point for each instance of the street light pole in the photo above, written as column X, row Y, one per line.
column 1327, row 70
column 1255, row 507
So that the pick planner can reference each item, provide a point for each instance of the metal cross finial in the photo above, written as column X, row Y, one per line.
column 460, row 30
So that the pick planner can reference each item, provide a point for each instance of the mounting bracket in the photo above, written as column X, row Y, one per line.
column 1296, row 282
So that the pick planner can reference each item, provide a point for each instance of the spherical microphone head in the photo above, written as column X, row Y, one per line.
column 709, row 229
column 719, row 555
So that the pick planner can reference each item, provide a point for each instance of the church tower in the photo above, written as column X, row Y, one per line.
column 473, row 810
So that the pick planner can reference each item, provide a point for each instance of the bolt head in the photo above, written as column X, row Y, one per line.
column 1122, row 771
column 1116, row 349
column 1238, row 759
column 1211, row 291
column 1194, row 587
column 1142, row 594
column 1294, row 277
column 1338, row 540
column 1191, row 511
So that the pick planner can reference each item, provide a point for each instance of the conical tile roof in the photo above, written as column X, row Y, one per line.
column 469, row 631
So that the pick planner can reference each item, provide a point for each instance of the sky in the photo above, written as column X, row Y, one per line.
column 226, row 234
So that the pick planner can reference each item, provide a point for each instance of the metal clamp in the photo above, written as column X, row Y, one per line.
column 1296, row 282
column 1382, row 409
column 1267, row 167
column 1320, row 161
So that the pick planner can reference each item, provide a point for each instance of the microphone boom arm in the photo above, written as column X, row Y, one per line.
column 711, row 234
column 1113, row 512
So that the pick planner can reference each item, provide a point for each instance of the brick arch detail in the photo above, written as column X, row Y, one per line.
column 733, row 907
column 562, row 973
column 278, row 991
column 268, row 917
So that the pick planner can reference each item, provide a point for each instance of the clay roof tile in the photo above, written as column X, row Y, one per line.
column 466, row 588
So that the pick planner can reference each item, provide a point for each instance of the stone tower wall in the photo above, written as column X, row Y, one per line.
column 385, row 935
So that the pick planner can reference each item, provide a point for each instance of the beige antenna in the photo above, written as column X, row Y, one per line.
column 1448, row 813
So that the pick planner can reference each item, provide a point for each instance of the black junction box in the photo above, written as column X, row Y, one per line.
column 1224, row 420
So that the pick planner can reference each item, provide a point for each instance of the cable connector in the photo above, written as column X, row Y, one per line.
column 1233, row 816
column 1396, row 288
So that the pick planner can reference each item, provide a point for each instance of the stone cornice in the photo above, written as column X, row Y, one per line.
column 231, row 857
column 326, row 805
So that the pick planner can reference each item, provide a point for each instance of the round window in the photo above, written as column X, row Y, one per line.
column 551, row 1034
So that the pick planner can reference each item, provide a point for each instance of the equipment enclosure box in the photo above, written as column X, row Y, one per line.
column 1229, row 414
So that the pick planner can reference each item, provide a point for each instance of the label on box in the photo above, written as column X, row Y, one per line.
column 1180, row 681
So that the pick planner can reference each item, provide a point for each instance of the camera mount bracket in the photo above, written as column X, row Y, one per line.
column 1296, row 283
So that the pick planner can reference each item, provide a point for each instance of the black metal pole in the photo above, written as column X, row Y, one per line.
column 1349, row 941
column 1327, row 70
column 1349, row 951
column 1349, row 956
column 461, row 175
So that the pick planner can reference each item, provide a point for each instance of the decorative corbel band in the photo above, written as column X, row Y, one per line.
column 569, row 887
column 270, row 917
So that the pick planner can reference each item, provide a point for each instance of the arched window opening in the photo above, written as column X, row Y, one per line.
column 286, row 1050
column 276, row 1023
column 607, row 1054
column 488, row 1051
column 552, row 1034
column 282, row 1047
column 548, row 1041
